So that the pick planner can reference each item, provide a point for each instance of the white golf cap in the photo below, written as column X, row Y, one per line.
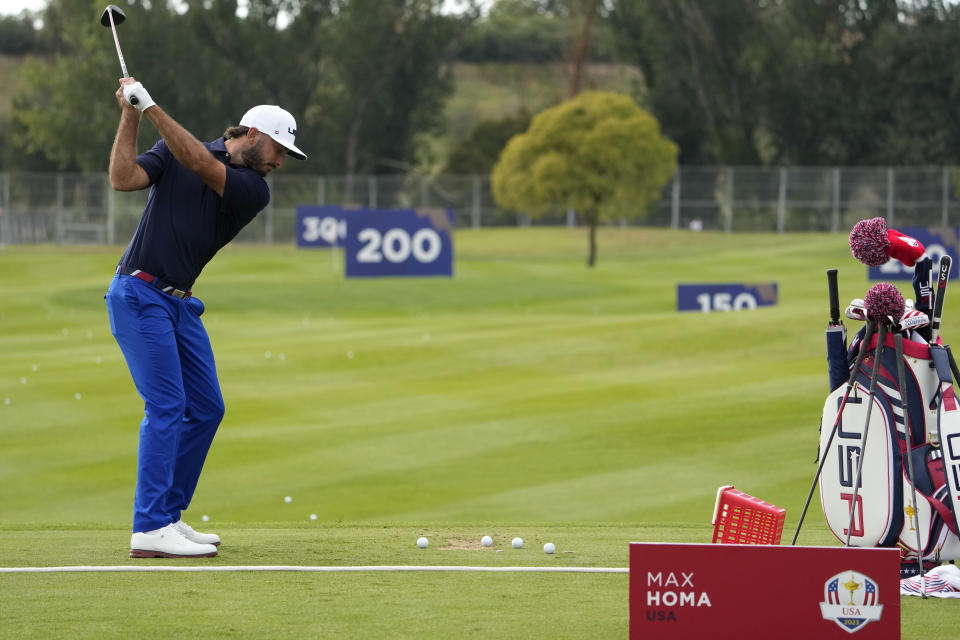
column 276, row 123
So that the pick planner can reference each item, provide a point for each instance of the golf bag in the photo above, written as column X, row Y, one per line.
column 883, row 512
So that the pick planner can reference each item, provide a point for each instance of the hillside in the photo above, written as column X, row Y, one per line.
column 8, row 81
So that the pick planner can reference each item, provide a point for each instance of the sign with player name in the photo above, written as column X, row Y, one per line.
column 399, row 242
column 321, row 226
column 735, row 591
column 725, row 297
column 937, row 241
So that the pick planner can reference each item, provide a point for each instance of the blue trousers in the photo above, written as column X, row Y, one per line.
column 169, row 355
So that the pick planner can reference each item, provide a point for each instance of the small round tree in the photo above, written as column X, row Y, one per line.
column 599, row 154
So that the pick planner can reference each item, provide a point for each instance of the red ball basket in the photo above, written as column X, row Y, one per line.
column 739, row 518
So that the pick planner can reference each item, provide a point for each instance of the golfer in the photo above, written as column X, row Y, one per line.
column 201, row 196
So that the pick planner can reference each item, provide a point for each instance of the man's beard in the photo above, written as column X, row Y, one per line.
column 253, row 157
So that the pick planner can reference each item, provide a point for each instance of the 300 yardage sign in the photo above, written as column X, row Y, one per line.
column 321, row 227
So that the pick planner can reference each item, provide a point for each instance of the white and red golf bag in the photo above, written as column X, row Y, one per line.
column 928, row 432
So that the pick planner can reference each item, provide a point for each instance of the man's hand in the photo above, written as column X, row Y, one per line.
column 135, row 94
column 119, row 95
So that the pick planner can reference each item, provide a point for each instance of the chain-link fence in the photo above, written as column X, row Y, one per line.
column 82, row 208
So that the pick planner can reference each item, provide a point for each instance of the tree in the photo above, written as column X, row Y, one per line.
column 599, row 154
column 363, row 78
column 700, row 60
column 479, row 151
column 389, row 65
column 16, row 34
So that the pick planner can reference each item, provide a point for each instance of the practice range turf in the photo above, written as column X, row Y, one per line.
column 529, row 395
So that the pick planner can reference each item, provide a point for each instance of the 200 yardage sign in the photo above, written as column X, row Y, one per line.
column 403, row 242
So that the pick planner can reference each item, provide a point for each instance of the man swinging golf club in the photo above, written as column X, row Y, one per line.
column 201, row 196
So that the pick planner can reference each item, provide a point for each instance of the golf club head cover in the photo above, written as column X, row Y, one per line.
column 872, row 243
column 913, row 320
column 137, row 90
column 922, row 286
column 884, row 301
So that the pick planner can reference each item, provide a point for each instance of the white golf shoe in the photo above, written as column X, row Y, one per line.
column 196, row 536
column 167, row 542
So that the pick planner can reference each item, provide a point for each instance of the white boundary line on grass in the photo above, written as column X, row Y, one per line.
column 327, row 569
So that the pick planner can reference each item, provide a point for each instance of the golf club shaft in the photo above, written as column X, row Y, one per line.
column 902, row 381
column 116, row 41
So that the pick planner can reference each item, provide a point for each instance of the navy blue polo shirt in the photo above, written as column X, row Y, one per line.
column 185, row 222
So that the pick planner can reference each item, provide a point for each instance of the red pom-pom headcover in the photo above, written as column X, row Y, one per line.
column 872, row 243
column 884, row 301
column 904, row 248
column 869, row 242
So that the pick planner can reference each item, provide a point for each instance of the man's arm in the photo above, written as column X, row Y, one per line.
column 125, row 173
column 188, row 150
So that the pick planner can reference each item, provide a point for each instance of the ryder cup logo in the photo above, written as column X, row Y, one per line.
column 850, row 600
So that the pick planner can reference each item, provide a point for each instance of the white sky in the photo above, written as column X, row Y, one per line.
column 13, row 7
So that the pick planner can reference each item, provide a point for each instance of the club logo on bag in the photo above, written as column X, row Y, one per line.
column 851, row 600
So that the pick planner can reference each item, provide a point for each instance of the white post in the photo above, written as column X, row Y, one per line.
column 890, row 197
column 675, row 201
column 59, row 218
column 5, row 233
column 372, row 191
column 728, row 222
column 321, row 190
column 475, row 213
column 782, row 202
column 111, row 211
column 835, row 222
column 945, row 214
column 268, row 222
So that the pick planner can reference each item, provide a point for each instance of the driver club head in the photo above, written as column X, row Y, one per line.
column 118, row 15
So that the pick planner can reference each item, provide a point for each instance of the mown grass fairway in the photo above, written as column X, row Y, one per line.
column 527, row 396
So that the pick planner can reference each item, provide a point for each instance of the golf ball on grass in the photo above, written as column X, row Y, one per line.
column 518, row 543
column 549, row 548
column 313, row 516
column 486, row 541
column 288, row 499
column 205, row 518
column 422, row 542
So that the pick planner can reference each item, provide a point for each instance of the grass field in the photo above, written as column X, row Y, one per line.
column 527, row 396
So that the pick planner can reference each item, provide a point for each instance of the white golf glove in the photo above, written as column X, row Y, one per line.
column 137, row 95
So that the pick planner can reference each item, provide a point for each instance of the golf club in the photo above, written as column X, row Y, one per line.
column 112, row 16
column 944, row 275
column 902, row 382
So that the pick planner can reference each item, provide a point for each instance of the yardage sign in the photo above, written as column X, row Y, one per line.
column 937, row 241
column 322, row 227
column 736, row 591
column 725, row 297
column 401, row 242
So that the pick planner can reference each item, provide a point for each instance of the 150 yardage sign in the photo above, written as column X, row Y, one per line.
column 725, row 297
column 399, row 242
